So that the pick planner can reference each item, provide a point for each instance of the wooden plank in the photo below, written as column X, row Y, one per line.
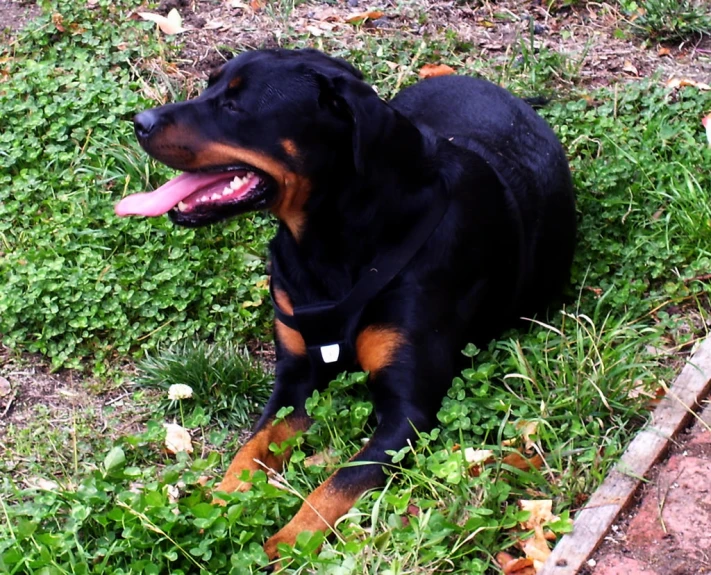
column 671, row 415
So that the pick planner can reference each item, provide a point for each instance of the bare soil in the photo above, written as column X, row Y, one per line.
column 595, row 37
column 15, row 14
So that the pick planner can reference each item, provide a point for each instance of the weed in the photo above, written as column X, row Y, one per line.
column 227, row 387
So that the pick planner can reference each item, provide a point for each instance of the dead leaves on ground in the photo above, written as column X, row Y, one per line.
column 434, row 70
column 525, row 454
column 170, row 24
column 535, row 547
column 523, row 457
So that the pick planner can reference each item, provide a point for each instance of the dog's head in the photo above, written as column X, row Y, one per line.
column 269, row 124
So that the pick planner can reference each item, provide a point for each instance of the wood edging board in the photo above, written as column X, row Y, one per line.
column 612, row 497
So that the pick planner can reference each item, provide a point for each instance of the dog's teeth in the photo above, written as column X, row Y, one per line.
column 182, row 206
column 227, row 191
column 236, row 183
column 216, row 196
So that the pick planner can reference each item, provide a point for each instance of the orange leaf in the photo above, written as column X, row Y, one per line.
column 433, row 70
column 520, row 462
column 362, row 16
column 256, row 5
column 663, row 51
column 515, row 565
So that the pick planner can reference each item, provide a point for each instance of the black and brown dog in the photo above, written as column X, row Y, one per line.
column 407, row 229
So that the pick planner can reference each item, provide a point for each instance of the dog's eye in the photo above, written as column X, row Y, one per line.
column 230, row 105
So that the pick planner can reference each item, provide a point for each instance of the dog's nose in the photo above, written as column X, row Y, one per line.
column 144, row 123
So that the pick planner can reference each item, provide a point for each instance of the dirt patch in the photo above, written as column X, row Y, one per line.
column 59, row 396
column 14, row 16
column 594, row 39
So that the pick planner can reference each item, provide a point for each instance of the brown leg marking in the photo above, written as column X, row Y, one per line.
column 319, row 512
column 257, row 449
column 288, row 337
column 376, row 347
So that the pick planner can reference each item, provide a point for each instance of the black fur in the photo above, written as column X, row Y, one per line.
column 503, row 249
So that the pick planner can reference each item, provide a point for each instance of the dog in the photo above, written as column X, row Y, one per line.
column 407, row 229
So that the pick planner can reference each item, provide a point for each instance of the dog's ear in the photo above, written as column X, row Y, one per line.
column 355, row 101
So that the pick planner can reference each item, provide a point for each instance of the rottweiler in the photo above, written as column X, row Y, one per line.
column 407, row 229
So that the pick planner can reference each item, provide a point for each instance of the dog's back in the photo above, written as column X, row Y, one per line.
column 528, row 158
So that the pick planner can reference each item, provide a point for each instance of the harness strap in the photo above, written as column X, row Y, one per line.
column 323, row 325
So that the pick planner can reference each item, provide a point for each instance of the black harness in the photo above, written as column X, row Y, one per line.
column 324, row 326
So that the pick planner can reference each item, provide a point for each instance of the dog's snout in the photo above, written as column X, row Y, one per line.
column 145, row 123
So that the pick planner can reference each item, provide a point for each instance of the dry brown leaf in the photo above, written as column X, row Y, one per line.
column 177, row 438
column 170, row 24
column 630, row 68
column 515, row 565
column 433, row 70
column 527, row 429
column 58, row 21
column 256, row 5
column 536, row 547
column 518, row 461
column 664, row 51
column 363, row 16
column 675, row 83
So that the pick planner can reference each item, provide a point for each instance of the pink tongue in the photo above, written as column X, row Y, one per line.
column 159, row 201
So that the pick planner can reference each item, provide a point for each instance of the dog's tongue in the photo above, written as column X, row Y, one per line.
column 158, row 202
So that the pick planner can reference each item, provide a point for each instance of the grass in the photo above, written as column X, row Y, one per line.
column 88, row 290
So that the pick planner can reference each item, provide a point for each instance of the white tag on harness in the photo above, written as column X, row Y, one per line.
column 330, row 353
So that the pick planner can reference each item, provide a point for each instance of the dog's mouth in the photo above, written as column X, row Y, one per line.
column 195, row 199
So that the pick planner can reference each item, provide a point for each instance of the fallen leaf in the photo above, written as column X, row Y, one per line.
column 256, row 5
column 675, row 83
column 58, row 21
column 433, row 70
column 527, row 429
column 630, row 68
column 171, row 24
column 362, row 16
column 41, row 483
column 315, row 31
column 177, row 438
column 5, row 387
column 536, row 547
column 214, row 25
column 173, row 493
column 706, row 123
column 518, row 461
column 663, row 51
column 518, row 565
column 477, row 456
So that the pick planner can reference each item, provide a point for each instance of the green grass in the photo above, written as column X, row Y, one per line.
column 87, row 290
column 671, row 20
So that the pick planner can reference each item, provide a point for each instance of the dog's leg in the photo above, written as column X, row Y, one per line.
column 338, row 493
column 400, row 410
